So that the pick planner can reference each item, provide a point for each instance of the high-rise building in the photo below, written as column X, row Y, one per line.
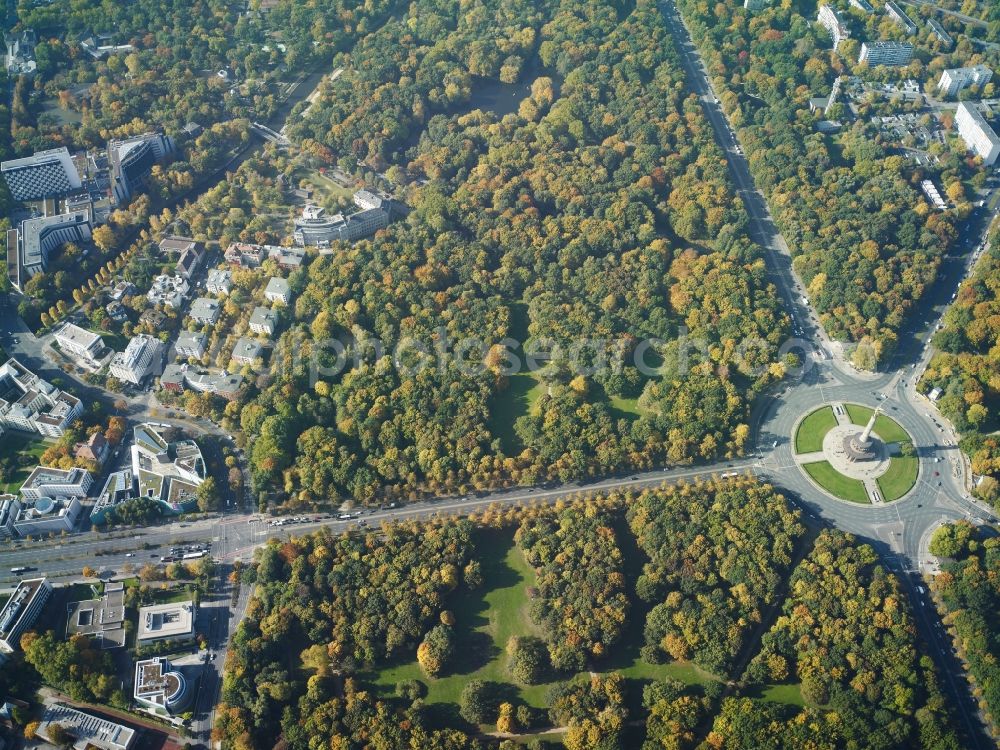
column 898, row 15
column 938, row 31
column 21, row 611
column 886, row 53
column 140, row 358
column 132, row 159
column 832, row 20
column 977, row 133
column 41, row 175
column 954, row 80
column 29, row 247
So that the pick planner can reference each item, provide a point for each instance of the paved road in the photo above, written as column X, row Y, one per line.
column 899, row 531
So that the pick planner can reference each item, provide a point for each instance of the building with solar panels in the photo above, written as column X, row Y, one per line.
column 42, row 175
column 132, row 160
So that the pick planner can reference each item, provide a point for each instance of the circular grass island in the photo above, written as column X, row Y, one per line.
column 856, row 455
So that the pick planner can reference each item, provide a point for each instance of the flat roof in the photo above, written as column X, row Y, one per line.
column 172, row 620
column 87, row 729
column 33, row 229
column 76, row 335
column 102, row 618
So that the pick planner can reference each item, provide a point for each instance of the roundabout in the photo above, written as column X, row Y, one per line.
column 855, row 453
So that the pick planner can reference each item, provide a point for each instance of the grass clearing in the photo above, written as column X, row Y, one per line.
column 899, row 478
column 811, row 431
column 517, row 399
column 22, row 454
column 827, row 477
column 885, row 427
column 789, row 694
column 486, row 619
column 326, row 187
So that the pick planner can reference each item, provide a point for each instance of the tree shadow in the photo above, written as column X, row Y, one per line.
column 475, row 648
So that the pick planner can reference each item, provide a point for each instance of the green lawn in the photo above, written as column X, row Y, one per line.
column 809, row 436
column 899, row 479
column 790, row 694
column 325, row 186
column 486, row 619
column 621, row 407
column 519, row 398
column 25, row 453
column 174, row 594
column 836, row 483
column 887, row 428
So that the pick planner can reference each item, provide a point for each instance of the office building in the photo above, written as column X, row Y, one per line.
column 36, row 239
column 102, row 619
column 246, row 351
column 43, row 175
column 204, row 311
column 88, row 731
column 21, row 611
column 78, row 342
column 168, row 472
column 47, row 515
column 117, row 489
column 897, row 14
column 132, row 160
column 141, row 357
column 278, row 290
column 954, row 80
column 263, row 321
column 886, row 53
column 977, row 133
column 160, row 687
column 31, row 404
column 165, row 622
column 45, row 481
column 191, row 344
column 9, row 508
column 833, row 21
column 220, row 281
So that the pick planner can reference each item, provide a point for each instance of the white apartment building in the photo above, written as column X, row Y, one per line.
column 78, row 342
column 898, row 15
column 977, row 133
column 191, row 344
column 954, row 80
column 168, row 290
column 263, row 321
column 21, row 611
column 220, row 281
column 831, row 19
column 141, row 357
column 278, row 290
column 886, row 53
column 31, row 404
